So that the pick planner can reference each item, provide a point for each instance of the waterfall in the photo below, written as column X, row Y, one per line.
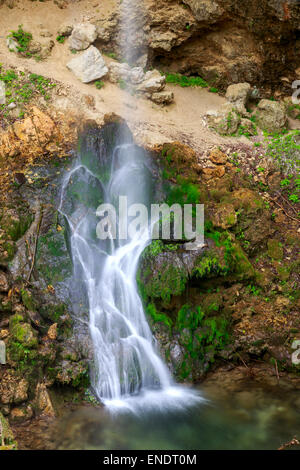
column 128, row 372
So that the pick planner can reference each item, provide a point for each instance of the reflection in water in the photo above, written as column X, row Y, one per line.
column 249, row 418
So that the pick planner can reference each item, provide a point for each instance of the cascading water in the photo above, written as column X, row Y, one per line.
column 128, row 371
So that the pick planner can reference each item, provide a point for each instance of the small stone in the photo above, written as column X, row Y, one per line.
column 12, row 45
column 52, row 332
column 218, row 157
column 4, row 333
column 4, row 286
column 11, row 106
column 152, row 83
column 21, row 414
column 162, row 97
column 215, row 172
column 2, row 353
column 2, row 93
column 65, row 30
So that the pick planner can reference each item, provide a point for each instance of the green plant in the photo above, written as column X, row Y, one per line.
column 184, row 81
column 22, row 37
column 294, row 198
column 61, row 38
column 99, row 84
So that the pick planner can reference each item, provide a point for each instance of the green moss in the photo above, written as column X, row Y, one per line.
column 158, row 317
column 23, row 355
column 202, row 338
column 275, row 249
column 25, row 335
column 15, row 319
column 165, row 282
column 27, row 299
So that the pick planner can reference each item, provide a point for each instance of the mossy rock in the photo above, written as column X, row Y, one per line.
column 223, row 215
column 275, row 249
column 8, row 439
column 15, row 222
column 28, row 300
column 178, row 159
column 25, row 335
column 15, row 319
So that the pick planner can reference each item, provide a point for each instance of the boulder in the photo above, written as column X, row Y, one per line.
column 13, row 389
column 162, row 97
column 2, row 93
column 88, row 66
column 137, row 75
column 238, row 95
column 271, row 115
column 153, row 82
column 225, row 120
column 83, row 35
column 119, row 72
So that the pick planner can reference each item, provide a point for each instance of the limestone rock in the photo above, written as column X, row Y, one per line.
column 153, row 82
column 4, row 286
column 137, row 75
column 21, row 414
column 205, row 10
column 271, row 115
column 224, row 121
column 52, row 332
column 238, row 95
column 88, row 66
column 2, row 353
column 13, row 389
column 83, row 35
column 218, row 157
column 162, row 97
column 118, row 72
column 2, row 93
column 12, row 45
column 43, row 400
column 65, row 30
column 213, row 172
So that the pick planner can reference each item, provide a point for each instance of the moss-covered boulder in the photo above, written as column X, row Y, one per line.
column 24, row 334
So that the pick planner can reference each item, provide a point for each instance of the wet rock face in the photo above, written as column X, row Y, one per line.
column 225, row 300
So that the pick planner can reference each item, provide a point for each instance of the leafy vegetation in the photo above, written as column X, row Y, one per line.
column 23, row 39
column 184, row 82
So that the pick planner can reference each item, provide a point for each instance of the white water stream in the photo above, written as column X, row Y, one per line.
column 128, row 372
